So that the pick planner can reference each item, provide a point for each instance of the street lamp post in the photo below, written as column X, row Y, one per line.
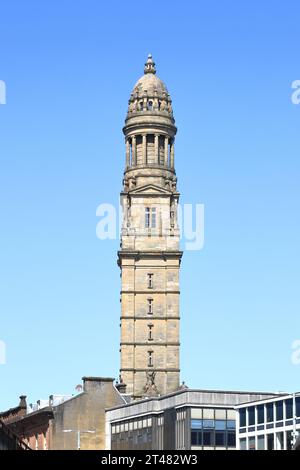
column 79, row 432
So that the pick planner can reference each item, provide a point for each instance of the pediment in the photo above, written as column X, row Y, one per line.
column 150, row 189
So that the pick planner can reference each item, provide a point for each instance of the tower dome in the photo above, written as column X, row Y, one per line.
column 150, row 96
column 149, row 82
column 150, row 133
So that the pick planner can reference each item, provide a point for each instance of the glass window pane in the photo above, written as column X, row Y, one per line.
column 260, row 414
column 270, row 441
column 251, row 416
column 243, row 444
column 270, row 412
column 194, row 438
column 261, row 443
column 289, row 440
column 251, row 443
column 220, row 424
column 196, row 423
column 279, row 410
column 153, row 218
column 298, row 407
column 289, row 408
column 279, row 439
column 242, row 417
column 208, row 423
column 231, row 439
column 147, row 217
column 220, row 438
column 230, row 424
column 207, row 438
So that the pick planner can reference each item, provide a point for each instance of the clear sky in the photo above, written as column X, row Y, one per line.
column 69, row 68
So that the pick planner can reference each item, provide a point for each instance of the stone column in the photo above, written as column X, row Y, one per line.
column 127, row 153
column 166, row 150
column 133, row 150
column 144, row 149
column 172, row 154
column 156, row 154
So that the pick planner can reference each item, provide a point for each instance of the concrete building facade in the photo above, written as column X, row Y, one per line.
column 184, row 420
column 149, row 257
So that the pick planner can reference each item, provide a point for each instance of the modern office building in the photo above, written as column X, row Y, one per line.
column 184, row 420
column 269, row 424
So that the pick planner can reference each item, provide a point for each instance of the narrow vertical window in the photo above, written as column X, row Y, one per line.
column 153, row 217
column 150, row 306
column 150, row 335
column 147, row 217
column 150, row 281
column 150, row 217
column 150, row 358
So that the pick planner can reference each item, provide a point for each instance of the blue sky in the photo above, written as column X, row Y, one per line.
column 69, row 68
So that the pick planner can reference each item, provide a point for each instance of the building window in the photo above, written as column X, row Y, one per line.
column 279, row 410
column 150, row 105
column 153, row 217
column 260, row 414
column 150, row 217
column 270, row 412
column 242, row 417
column 150, row 358
column 213, row 432
column 231, row 424
column 251, row 443
column 251, row 416
column 243, row 444
column 150, row 280
column 270, row 441
column 196, row 424
column 150, row 306
column 231, row 439
column 289, row 440
column 208, row 423
column 147, row 217
column 220, row 438
column 141, row 105
column 194, row 438
column 220, row 425
column 150, row 327
column 261, row 442
column 289, row 409
column 298, row 407
column 208, row 438
column 280, row 441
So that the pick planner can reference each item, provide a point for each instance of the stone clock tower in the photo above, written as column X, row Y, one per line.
column 149, row 256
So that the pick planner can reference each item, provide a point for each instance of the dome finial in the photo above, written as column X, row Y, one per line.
column 150, row 65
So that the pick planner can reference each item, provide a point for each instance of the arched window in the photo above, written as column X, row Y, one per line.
column 150, row 105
